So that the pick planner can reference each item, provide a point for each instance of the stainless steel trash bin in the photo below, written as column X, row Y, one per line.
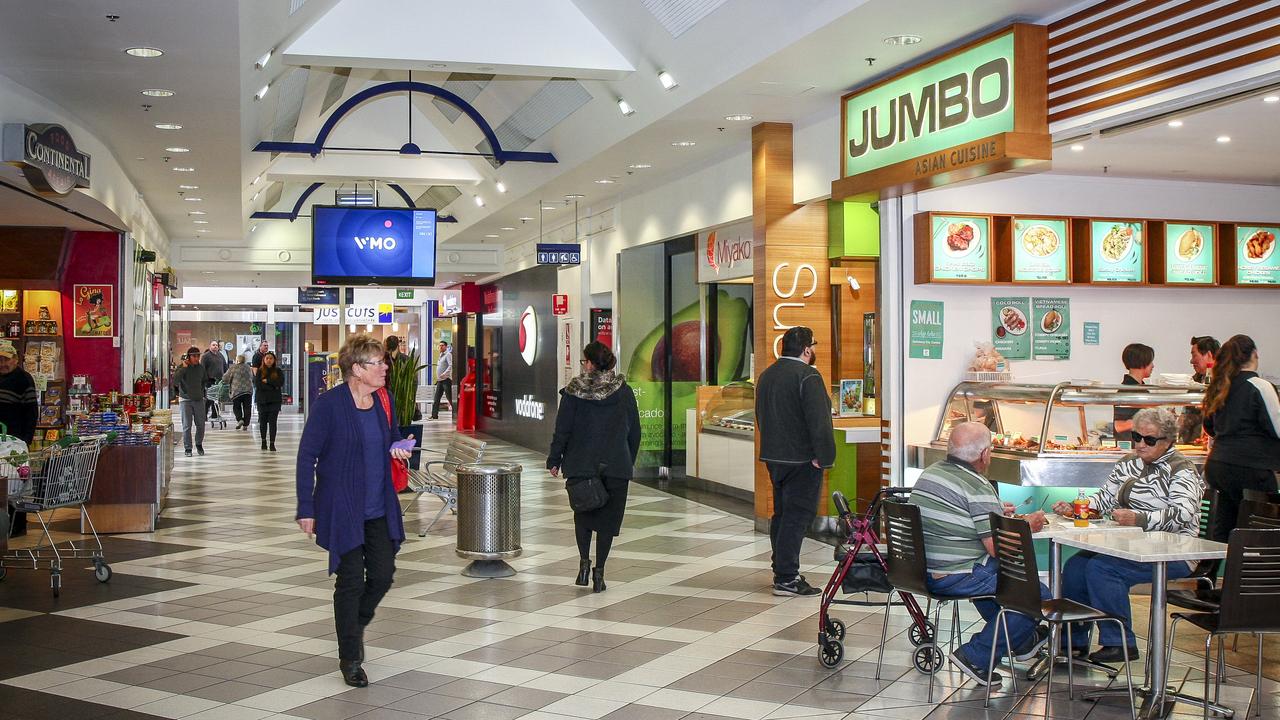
column 488, row 517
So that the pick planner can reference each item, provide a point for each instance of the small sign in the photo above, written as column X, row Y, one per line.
column 1117, row 251
column 559, row 304
column 559, row 254
column 1040, row 250
column 850, row 401
column 926, row 329
column 960, row 247
column 1257, row 262
column 314, row 295
column 602, row 326
column 47, row 155
column 1051, row 328
column 404, row 293
column 1011, row 327
column 1189, row 254
column 1092, row 333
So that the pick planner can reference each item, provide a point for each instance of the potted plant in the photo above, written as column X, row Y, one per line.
column 402, row 383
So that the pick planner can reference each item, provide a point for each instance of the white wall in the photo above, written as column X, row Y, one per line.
column 1164, row 318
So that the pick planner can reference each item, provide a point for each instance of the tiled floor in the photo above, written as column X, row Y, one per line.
column 225, row 612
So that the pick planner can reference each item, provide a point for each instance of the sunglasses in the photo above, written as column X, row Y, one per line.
column 1150, row 440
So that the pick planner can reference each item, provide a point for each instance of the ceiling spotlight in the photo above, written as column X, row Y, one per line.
column 902, row 40
column 501, row 186
column 256, row 180
column 574, row 196
column 605, row 181
column 479, row 201
column 201, row 230
column 262, row 61
column 548, row 208
column 200, row 222
column 184, row 169
column 168, row 126
column 1175, row 123
column 255, row 196
column 739, row 117
column 1271, row 99
column 525, row 218
column 1077, row 147
column 263, row 92
column 144, row 52
column 193, row 199
column 639, row 166
column 491, row 235
column 206, row 272
column 157, row 92
column 668, row 82
column 188, row 187
column 197, row 212
column 509, row 229
column 1224, row 138
column 683, row 143
column 177, row 149
column 625, row 108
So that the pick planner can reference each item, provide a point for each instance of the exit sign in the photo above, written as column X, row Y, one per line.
column 404, row 293
column 559, row 254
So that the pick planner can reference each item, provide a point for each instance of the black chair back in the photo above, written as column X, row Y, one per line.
column 1251, row 582
column 1017, row 578
column 1261, row 496
column 1208, row 516
column 904, row 535
column 1257, row 515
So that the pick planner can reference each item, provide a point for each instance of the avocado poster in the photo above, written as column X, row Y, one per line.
column 1051, row 328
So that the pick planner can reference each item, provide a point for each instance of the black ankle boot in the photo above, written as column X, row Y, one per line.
column 597, row 580
column 584, row 569
column 273, row 447
column 353, row 674
column 264, row 444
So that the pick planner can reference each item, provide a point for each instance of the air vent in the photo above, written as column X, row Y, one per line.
column 293, row 87
column 337, row 84
column 553, row 102
column 438, row 196
column 678, row 16
column 466, row 86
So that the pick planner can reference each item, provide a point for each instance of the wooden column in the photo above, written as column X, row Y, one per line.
column 792, row 285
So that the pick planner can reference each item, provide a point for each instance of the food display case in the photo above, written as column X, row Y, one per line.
column 1058, row 435
column 733, row 411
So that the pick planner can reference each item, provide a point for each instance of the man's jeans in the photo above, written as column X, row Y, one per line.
column 982, row 581
column 1102, row 582
column 192, row 414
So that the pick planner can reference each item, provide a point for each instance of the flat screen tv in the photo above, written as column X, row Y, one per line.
column 373, row 246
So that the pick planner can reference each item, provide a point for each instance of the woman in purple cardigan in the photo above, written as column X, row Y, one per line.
column 345, row 495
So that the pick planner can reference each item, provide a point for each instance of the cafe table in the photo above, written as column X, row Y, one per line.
column 1159, row 548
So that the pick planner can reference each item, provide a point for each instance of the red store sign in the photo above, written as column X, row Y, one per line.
column 559, row 304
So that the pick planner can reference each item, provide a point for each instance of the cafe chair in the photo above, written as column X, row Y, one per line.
column 1250, row 602
column 1261, row 496
column 1203, row 597
column 1259, row 515
column 1018, row 590
column 909, row 572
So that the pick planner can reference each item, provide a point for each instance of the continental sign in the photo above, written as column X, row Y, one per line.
column 976, row 110
column 47, row 155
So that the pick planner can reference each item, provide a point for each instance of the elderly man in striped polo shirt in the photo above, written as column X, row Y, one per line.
column 956, row 501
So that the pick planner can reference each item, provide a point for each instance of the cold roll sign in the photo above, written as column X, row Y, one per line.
column 1257, row 262
column 1188, row 254
column 1040, row 250
column 960, row 247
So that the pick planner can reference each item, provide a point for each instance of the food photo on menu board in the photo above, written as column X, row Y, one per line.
column 1188, row 255
column 960, row 247
column 1011, row 327
column 1040, row 252
column 1051, row 328
column 1257, row 262
column 1117, row 251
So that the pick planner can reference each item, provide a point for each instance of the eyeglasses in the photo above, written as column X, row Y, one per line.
column 374, row 363
column 1151, row 440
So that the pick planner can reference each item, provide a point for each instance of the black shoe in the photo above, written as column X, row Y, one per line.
column 796, row 588
column 187, row 453
column 264, row 444
column 200, row 449
column 1034, row 646
column 975, row 673
column 584, row 571
column 353, row 674
column 1113, row 654
column 273, row 447
column 597, row 580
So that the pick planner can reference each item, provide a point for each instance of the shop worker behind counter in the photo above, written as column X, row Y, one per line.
column 793, row 411
column 1139, row 363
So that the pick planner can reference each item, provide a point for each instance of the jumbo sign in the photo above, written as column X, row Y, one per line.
column 980, row 109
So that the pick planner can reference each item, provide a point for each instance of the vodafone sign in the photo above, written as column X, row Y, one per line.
column 528, row 341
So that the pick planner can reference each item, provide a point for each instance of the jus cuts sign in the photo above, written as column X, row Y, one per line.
column 47, row 155
column 381, row 314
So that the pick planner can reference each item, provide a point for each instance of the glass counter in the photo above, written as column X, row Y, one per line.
column 732, row 411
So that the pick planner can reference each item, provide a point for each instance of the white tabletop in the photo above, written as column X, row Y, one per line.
column 1058, row 527
column 1155, row 546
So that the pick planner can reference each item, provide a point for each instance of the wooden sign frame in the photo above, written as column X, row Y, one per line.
column 924, row 248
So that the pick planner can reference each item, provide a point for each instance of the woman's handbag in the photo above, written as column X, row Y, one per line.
column 399, row 469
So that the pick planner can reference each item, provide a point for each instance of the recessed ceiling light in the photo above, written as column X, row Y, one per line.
column 668, row 82
column 548, row 207
column 168, row 126
column 200, row 222
column 739, row 117
column 902, row 40
column 501, row 186
column 193, row 199
column 683, row 143
column 508, row 229
column 197, row 212
column 1271, row 99
column 184, row 169
column 188, row 187
column 158, row 92
column 206, row 272
column 177, row 149
column 139, row 159
column 1224, row 138
column 1175, row 123
column 491, row 235
column 201, row 230
column 625, row 108
column 605, row 181
column 1077, row 147
column 574, row 196
column 525, row 218
column 144, row 52
column 639, row 166
column 479, row 201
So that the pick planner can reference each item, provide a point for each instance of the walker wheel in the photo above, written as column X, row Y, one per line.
column 917, row 637
column 835, row 629
column 831, row 653
column 56, row 581
column 102, row 572
column 927, row 658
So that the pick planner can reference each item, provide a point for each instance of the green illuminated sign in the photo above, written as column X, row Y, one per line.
column 1257, row 262
column 962, row 98
column 1117, row 252
column 1039, row 250
column 1188, row 254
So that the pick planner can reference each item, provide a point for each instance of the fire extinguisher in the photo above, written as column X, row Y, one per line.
column 144, row 384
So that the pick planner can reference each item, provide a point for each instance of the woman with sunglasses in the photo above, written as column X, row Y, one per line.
column 1154, row 487
column 1242, row 415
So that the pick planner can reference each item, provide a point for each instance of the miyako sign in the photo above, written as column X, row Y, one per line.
column 47, row 155
column 725, row 253
column 979, row 109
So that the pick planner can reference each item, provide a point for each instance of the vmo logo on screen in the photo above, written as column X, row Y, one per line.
column 376, row 243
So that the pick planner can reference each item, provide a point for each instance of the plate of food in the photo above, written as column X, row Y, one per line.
column 1040, row 241
column 1117, row 243
column 1051, row 321
column 962, row 238
column 1012, row 320
column 1190, row 244
column 1259, row 246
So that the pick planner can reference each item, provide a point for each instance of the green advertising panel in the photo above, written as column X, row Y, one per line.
column 966, row 97
column 1188, row 253
column 1257, row 262
column 1051, row 328
column 1040, row 250
column 960, row 247
column 926, row 330
column 1116, row 248
column 1011, row 327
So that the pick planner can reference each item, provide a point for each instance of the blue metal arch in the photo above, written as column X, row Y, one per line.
column 297, row 206
column 314, row 148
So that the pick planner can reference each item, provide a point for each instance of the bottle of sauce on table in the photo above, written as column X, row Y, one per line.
column 1080, row 509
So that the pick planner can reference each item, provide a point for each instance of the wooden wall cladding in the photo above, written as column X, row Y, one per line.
column 1115, row 52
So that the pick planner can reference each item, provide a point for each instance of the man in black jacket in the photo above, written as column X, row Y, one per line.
column 19, row 407
column 793, row 415
column 188, row 385
column 215, row 366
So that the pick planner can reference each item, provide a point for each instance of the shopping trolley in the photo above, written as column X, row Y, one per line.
column 60, row 476
column 862, row 572
column 219, row 394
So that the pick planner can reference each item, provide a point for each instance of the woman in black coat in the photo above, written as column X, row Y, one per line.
column 268, row 386
column 598, row 424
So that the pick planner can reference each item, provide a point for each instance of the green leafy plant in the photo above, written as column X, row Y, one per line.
column 402, row 383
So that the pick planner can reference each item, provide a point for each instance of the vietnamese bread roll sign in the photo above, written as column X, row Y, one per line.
column 977, row 110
